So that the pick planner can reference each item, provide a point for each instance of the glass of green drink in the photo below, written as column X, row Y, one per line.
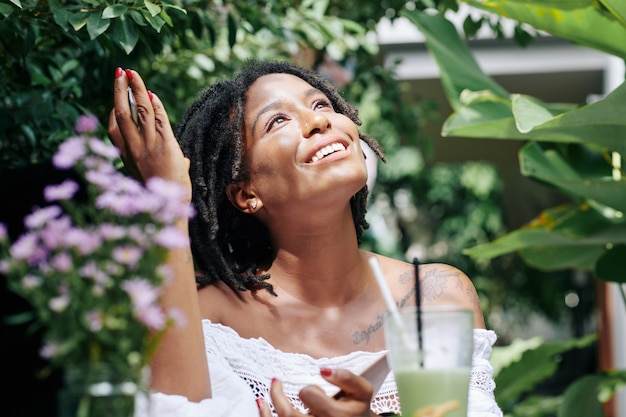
column 432, row 366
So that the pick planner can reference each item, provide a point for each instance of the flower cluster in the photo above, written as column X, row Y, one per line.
column 92, row 261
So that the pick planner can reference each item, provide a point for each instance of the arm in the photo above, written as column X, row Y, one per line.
column 179, row 364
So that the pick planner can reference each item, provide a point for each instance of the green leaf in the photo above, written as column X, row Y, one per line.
column 556, row 258
column 530, row 112
column 124, row 33
column 579, row 21
column 116, row 10
column 533, row 367
column 566, row 231
column 610, row 266
column 460, row 71
column 581, row 398
column 166, row 17
column 550, row 167
column 6, row 10
column 232, row 30
column 153, row 8
column 60, row 14
column 155, row 21
column 18, row 3
column 78, row 20
column 96, row 25
column 600, row 123
column 617, row 9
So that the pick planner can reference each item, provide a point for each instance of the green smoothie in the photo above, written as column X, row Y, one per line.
column 433, row 392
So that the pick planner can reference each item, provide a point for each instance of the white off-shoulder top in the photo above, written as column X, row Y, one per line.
column 242, row 369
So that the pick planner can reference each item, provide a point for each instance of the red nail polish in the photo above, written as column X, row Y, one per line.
column 150, row 95
column 259, row 402
column 129, row 74
column 273, row 380
column 326, row 371
column 118, row 72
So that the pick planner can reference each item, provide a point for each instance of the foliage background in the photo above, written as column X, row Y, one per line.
column 57, row 60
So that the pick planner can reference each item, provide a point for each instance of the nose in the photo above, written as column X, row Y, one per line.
column 315, row 122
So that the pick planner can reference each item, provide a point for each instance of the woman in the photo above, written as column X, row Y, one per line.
column 274, row 167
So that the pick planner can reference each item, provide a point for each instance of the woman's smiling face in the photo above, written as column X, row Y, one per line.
column 298, row 149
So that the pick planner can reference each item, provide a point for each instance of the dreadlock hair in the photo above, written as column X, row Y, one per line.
column 229, row 245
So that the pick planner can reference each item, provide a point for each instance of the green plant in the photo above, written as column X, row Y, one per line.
column 575, row 148
column 91, row 261
column 57, row 59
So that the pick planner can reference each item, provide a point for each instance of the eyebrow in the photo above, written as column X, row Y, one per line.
column 308, row 93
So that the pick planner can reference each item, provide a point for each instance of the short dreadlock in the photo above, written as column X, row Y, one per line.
column 227, row 244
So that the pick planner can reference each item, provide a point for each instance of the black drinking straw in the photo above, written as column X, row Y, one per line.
column 418, row 306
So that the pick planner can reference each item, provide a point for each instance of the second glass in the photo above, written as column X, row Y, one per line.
column 433, row 382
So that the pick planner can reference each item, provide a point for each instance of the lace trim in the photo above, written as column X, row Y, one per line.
column 257, row 362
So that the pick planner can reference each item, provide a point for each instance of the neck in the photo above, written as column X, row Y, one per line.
column 318, row 261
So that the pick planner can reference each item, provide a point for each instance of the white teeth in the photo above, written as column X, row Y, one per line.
column 327, row 150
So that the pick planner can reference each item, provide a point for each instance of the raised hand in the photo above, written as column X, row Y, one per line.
column 149, row 148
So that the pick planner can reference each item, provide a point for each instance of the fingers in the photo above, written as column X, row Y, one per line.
column 355, row 401
column 264, row 408
column 161, row 120
column 353, row 386
column 282, row 406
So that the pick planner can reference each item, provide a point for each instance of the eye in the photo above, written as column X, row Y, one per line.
column 274, row 121
column 321, row 104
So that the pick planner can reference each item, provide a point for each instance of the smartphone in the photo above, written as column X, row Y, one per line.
column 375, row 374
column 133, row 106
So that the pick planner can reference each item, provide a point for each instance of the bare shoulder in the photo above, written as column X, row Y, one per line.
column 215, row 299
column 440, row 284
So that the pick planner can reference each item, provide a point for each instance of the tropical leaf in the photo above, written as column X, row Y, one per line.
column 579, row 21
column 566, row 236
column 581, row 398
column 484, row 109
column 533, row 367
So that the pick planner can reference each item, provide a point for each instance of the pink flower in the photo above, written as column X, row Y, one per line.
column 141, row 292
column 100, row 178
column 110, row 231
column 49, row 350
column 85, row 241
column 53, row 234
column 31, row 281
column 60, row 303
column 152, row 316
column 86, row 124
column 169, row 189
column 104, row 149
column 94, row 320
column 70, row 151
column 41, row 216
column 62, row 262
column 63, row 191
column 171, row 237
column 26, row 248
column 178, row 317
column 127, row 255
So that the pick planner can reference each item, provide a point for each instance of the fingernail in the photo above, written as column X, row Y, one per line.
column 259, row 402
column 273, row 380
column 118, row 72
column 129, row 74
column 150, row 95
column 326, row 371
